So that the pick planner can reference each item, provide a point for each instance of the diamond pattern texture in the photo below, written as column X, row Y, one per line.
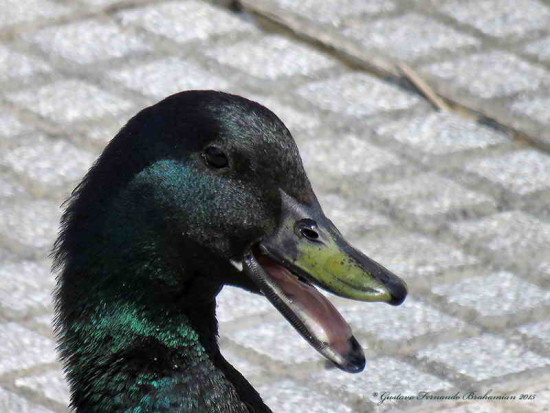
column 454, row 202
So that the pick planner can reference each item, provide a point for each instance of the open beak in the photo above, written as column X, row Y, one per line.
column 307, row 250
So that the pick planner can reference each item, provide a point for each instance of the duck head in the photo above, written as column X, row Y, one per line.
column 215, row 182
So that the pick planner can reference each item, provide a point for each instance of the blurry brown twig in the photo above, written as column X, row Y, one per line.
column 423, row 87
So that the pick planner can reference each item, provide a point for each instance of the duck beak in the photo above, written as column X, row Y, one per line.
column 305, row 251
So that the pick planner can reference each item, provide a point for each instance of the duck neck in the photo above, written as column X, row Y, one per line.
column 134, row 338
column 122, row 355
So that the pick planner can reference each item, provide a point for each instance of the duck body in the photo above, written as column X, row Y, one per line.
column 148, row 238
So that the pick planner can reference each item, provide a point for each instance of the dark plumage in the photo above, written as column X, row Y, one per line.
column 190, row 190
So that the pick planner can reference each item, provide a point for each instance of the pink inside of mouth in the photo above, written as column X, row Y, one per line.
column 323, row 319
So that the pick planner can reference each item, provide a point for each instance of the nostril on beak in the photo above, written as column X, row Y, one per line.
column 310, row 233
column 307, row 228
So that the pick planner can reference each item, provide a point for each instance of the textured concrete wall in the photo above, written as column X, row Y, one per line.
column 457, row 207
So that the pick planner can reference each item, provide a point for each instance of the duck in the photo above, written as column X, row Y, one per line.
column 200, row 190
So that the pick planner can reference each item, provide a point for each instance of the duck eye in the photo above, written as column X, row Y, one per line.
column 215, row 157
